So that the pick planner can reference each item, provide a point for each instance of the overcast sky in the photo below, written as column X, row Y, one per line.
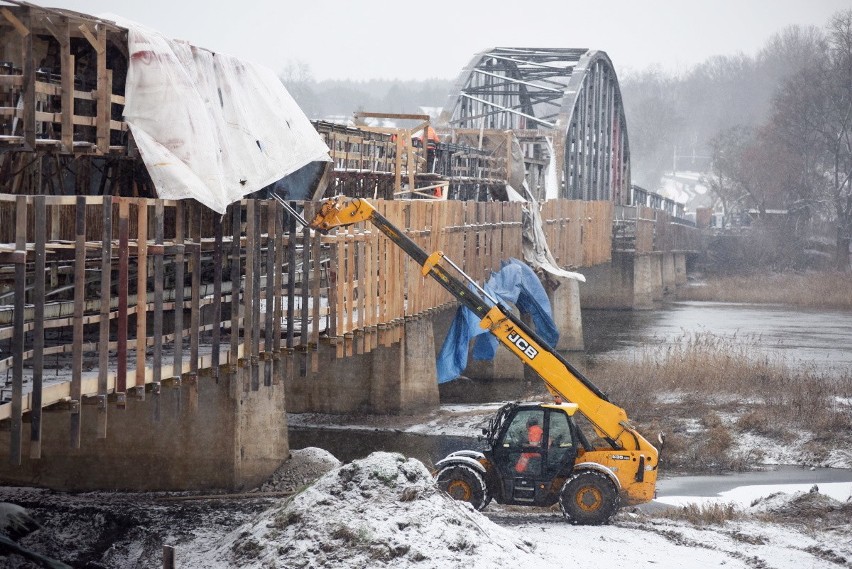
column 367, row 39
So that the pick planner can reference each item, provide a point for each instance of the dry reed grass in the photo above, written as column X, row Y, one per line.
column 810, row 290
column 709, row 374
column 703, row 514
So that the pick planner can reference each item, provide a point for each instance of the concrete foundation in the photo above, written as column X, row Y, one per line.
column 565, row 303
column 668, row 272
column 232, row 440
column 388, row 380
column 657, row 289
column 627, row 282
column 680, row 268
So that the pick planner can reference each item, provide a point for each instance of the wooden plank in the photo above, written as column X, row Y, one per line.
column 278, row 219
column 195, row 325
column 255, row 320
column 304, row 289
column 103, row 337
column 216, row 340
column 123, row 262
column 28, row 91
column 159, row 275
column 248, row 298
column 79, row 302
column 269, row 294
column 360, row 251
column 40, row 228
column 291, row 279
column 180, row 255
column 104, row 91
column 141, row 295
column 236, row 232
column 350, row 277
column 315, row 296
column 18, row 338
column 195, row 300
column 67, row 88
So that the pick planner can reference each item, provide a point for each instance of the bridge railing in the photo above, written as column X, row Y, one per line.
column 646, row 230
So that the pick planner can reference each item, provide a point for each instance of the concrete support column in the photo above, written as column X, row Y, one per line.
column 396, row 379
column 565, row 304
column 680, row 268
column 668, row 272
column 646, row 275
column 656, row 275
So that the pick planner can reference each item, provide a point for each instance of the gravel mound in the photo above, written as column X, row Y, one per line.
column 380, row 511
column 302, row 468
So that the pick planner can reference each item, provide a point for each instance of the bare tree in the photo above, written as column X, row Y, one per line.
column 723, row 179
column 813, row 118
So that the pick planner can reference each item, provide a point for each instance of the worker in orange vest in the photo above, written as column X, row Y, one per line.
column 534, row 436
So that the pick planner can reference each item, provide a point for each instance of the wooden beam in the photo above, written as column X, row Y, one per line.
column 19, row 338
column 401, row 116
column 79, row 303
column 40, row 219
column 106, row 288
column 92, row 39
column 19, row 26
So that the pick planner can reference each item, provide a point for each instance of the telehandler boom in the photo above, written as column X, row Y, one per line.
column 537, row 455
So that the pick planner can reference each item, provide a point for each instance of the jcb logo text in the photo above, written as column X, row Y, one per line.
column 523, row 345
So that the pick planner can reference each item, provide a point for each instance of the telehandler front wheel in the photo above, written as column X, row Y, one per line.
column 464, row 483
column 589, row 497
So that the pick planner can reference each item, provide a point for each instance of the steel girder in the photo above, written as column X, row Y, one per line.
column 568, row 95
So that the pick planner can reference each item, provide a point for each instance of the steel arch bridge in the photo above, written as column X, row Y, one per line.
column 567, row 100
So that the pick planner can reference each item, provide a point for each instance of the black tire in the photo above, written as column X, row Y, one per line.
column 589, row 497
column 464, row 483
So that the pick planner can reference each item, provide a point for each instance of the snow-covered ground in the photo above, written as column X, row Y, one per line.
column 385, row 511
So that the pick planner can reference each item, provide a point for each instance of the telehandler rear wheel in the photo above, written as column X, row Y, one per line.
column 464, row 483
column 589, row 497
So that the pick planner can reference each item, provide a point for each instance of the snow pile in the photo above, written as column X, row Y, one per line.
column 802, row 505
column 303, row 467
column 380, row 511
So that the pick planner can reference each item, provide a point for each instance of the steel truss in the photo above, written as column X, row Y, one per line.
column 570, row 96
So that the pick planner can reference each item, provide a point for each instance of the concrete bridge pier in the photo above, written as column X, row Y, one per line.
column 630, row 281
column 565, row 304
column 388, row 380
column 680, row 268
column 669, row 272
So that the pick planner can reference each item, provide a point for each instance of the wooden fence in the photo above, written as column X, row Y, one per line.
column 108, row 299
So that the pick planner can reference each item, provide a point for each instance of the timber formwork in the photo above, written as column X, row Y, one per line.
column 392, row 163
column 133, row 296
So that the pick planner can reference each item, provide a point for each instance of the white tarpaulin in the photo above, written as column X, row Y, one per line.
column 536, row 250
column 210, row 126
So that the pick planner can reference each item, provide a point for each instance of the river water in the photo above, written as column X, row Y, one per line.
column 815, row 339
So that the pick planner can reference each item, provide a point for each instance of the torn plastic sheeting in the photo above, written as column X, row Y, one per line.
column 515, row 283
column 209, row 126
column 536, row 251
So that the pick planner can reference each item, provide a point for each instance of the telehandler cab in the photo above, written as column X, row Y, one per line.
column 537, row 455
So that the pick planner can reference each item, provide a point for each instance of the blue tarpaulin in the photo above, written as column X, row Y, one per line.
column 515, row 283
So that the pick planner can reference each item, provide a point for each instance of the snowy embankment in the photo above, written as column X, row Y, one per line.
column 385, row 511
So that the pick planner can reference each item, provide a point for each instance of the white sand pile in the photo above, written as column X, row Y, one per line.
column 381, row 511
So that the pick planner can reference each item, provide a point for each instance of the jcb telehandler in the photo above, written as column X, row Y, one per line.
column 537, row 454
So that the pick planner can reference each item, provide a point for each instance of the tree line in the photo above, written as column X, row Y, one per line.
column 771, row 131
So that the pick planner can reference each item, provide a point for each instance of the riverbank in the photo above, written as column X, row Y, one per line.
column 805, row 290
